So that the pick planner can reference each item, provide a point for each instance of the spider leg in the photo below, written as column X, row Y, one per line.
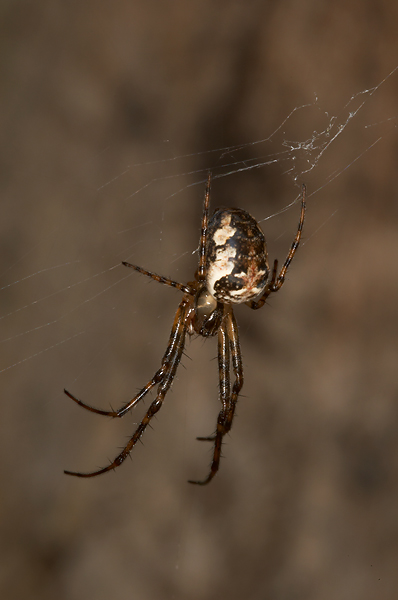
column 157, row 378
column 170, row 362
column 255, row 304
column 224, row 375
column 237, row 366
column 295, row 244
column 277, row 282
column 228, row 340
column 180, row 286
column 201, row 272
column 121, row 411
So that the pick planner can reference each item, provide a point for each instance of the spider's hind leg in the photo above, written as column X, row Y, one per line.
column 277, row 281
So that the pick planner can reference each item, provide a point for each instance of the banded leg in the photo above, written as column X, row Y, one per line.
column 180, row 286
column 224, row 375
column 170, row 363
column 157, row 378
column 201, row 275
column 228, row 338
column 121, row 411
column 233, row 335
column 277, row 282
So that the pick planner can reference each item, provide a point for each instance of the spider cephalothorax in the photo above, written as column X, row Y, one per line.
column 233, row 269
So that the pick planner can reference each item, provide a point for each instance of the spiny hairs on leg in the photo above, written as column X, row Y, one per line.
column 180, row 286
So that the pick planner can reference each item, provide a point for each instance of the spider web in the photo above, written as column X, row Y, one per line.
column 46, row 320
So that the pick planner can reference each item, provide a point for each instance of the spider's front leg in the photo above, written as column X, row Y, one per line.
column 170, row 362
column 130, row 404
column 158, row 377
column 228, row 341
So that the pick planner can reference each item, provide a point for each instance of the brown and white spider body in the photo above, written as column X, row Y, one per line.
column 233, row 269
column 237, row 261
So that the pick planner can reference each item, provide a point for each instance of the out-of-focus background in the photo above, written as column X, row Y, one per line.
column 98, row 102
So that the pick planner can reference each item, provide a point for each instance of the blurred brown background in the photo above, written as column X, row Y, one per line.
column 95, row 93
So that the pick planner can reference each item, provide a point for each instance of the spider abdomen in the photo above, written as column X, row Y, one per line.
column 237, row 261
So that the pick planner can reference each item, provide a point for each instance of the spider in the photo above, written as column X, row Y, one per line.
column 233, row 269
